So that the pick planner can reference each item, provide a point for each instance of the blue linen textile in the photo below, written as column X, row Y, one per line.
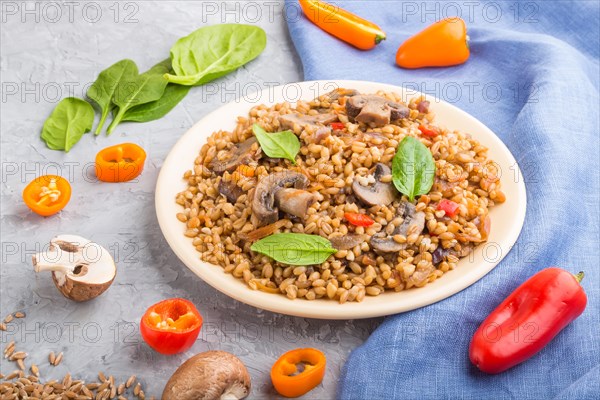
column 533, row 79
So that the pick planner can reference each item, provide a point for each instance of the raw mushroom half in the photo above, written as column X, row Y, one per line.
column 213, row 375
column 81, row 269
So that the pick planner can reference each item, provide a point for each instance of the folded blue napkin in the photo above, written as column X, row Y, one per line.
column 533, row 79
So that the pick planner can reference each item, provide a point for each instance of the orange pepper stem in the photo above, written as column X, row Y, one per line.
column 579, row 276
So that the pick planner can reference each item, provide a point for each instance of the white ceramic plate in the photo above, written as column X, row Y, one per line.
column 507, row 219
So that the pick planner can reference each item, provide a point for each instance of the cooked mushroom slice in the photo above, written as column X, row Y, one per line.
column 348, row 241
column 241, row 153
column 413, row 223
column 335, row 94
column 230, row 190
column 264, row 208
column 212, row 375
column 288, row 121
column 375, row 110
column 294, row 201
column 378, row 193
column 81, row 269
column 321, row 134
column 438, row 255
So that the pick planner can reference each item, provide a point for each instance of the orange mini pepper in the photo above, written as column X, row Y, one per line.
column 48, row 194
column 442, row 44
column 290, row 385
column 342, row 24
column 120, row 163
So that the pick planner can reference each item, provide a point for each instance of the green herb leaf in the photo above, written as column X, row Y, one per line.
column 68, row 122
column 103, row 89
column 295, row 248
column 413, row 168
column 141, row 89
column 213, row 51
column 159, row 108
column 156, row 109
column 282, row 144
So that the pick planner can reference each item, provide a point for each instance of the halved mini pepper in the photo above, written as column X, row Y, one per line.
column 171, row 326
column 48, row 194
column 120, row 163
column 290, row 382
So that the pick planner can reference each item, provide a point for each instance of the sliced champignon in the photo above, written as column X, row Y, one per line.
column 212, row 375
column 230, row 190
column 81, row 269
column 241, row 153
column 347, row 241
column 378, row 193
column 264, row 204
column 438, row 255
column 288, row 121
column 375, row 110
column 294, row 201
column 321, row 134
column 423, row 106
column 336, row 94
column 413, row 223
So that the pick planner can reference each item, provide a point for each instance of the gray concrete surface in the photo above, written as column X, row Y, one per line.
column 52, row 50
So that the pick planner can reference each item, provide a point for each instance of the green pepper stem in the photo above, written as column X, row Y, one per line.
column 579, row 276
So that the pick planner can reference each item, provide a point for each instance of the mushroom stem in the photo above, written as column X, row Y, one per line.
column 56, row 260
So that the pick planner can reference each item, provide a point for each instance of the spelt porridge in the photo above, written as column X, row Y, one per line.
column 341, row 186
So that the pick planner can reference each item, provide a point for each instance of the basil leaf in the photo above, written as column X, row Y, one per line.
column 213, row 51
column 413, row 168
column 68, row 122
column 282, row 144
column 103, row 89
column 141, row 89
column 295, row 248
column 159, row 108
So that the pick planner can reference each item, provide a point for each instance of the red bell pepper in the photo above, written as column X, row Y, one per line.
column 527, row 320
column 171, row 326
column 357, row 219
column 450, row 207
column 429, row 131
column 337, row 126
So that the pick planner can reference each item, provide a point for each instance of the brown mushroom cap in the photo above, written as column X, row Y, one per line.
column 81, row 269
column 212, row 375
column 375, row 110
column 263, row 203
column 379, row 193
column 239, row 154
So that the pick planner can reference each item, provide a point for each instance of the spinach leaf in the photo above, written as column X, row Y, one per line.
column 295, row 248
column 282, row 144
column 413, row 168
column 103, row 89
column 158, row 108
column 213, row 51
column 141, row 89
column 68, row 122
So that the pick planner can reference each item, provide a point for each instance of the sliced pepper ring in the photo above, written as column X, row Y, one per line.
column 286, row 378
column 171, row 326
column 120, row 163
column 48, row 194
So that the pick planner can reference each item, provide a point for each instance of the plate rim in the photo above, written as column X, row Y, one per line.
column 324, row 309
